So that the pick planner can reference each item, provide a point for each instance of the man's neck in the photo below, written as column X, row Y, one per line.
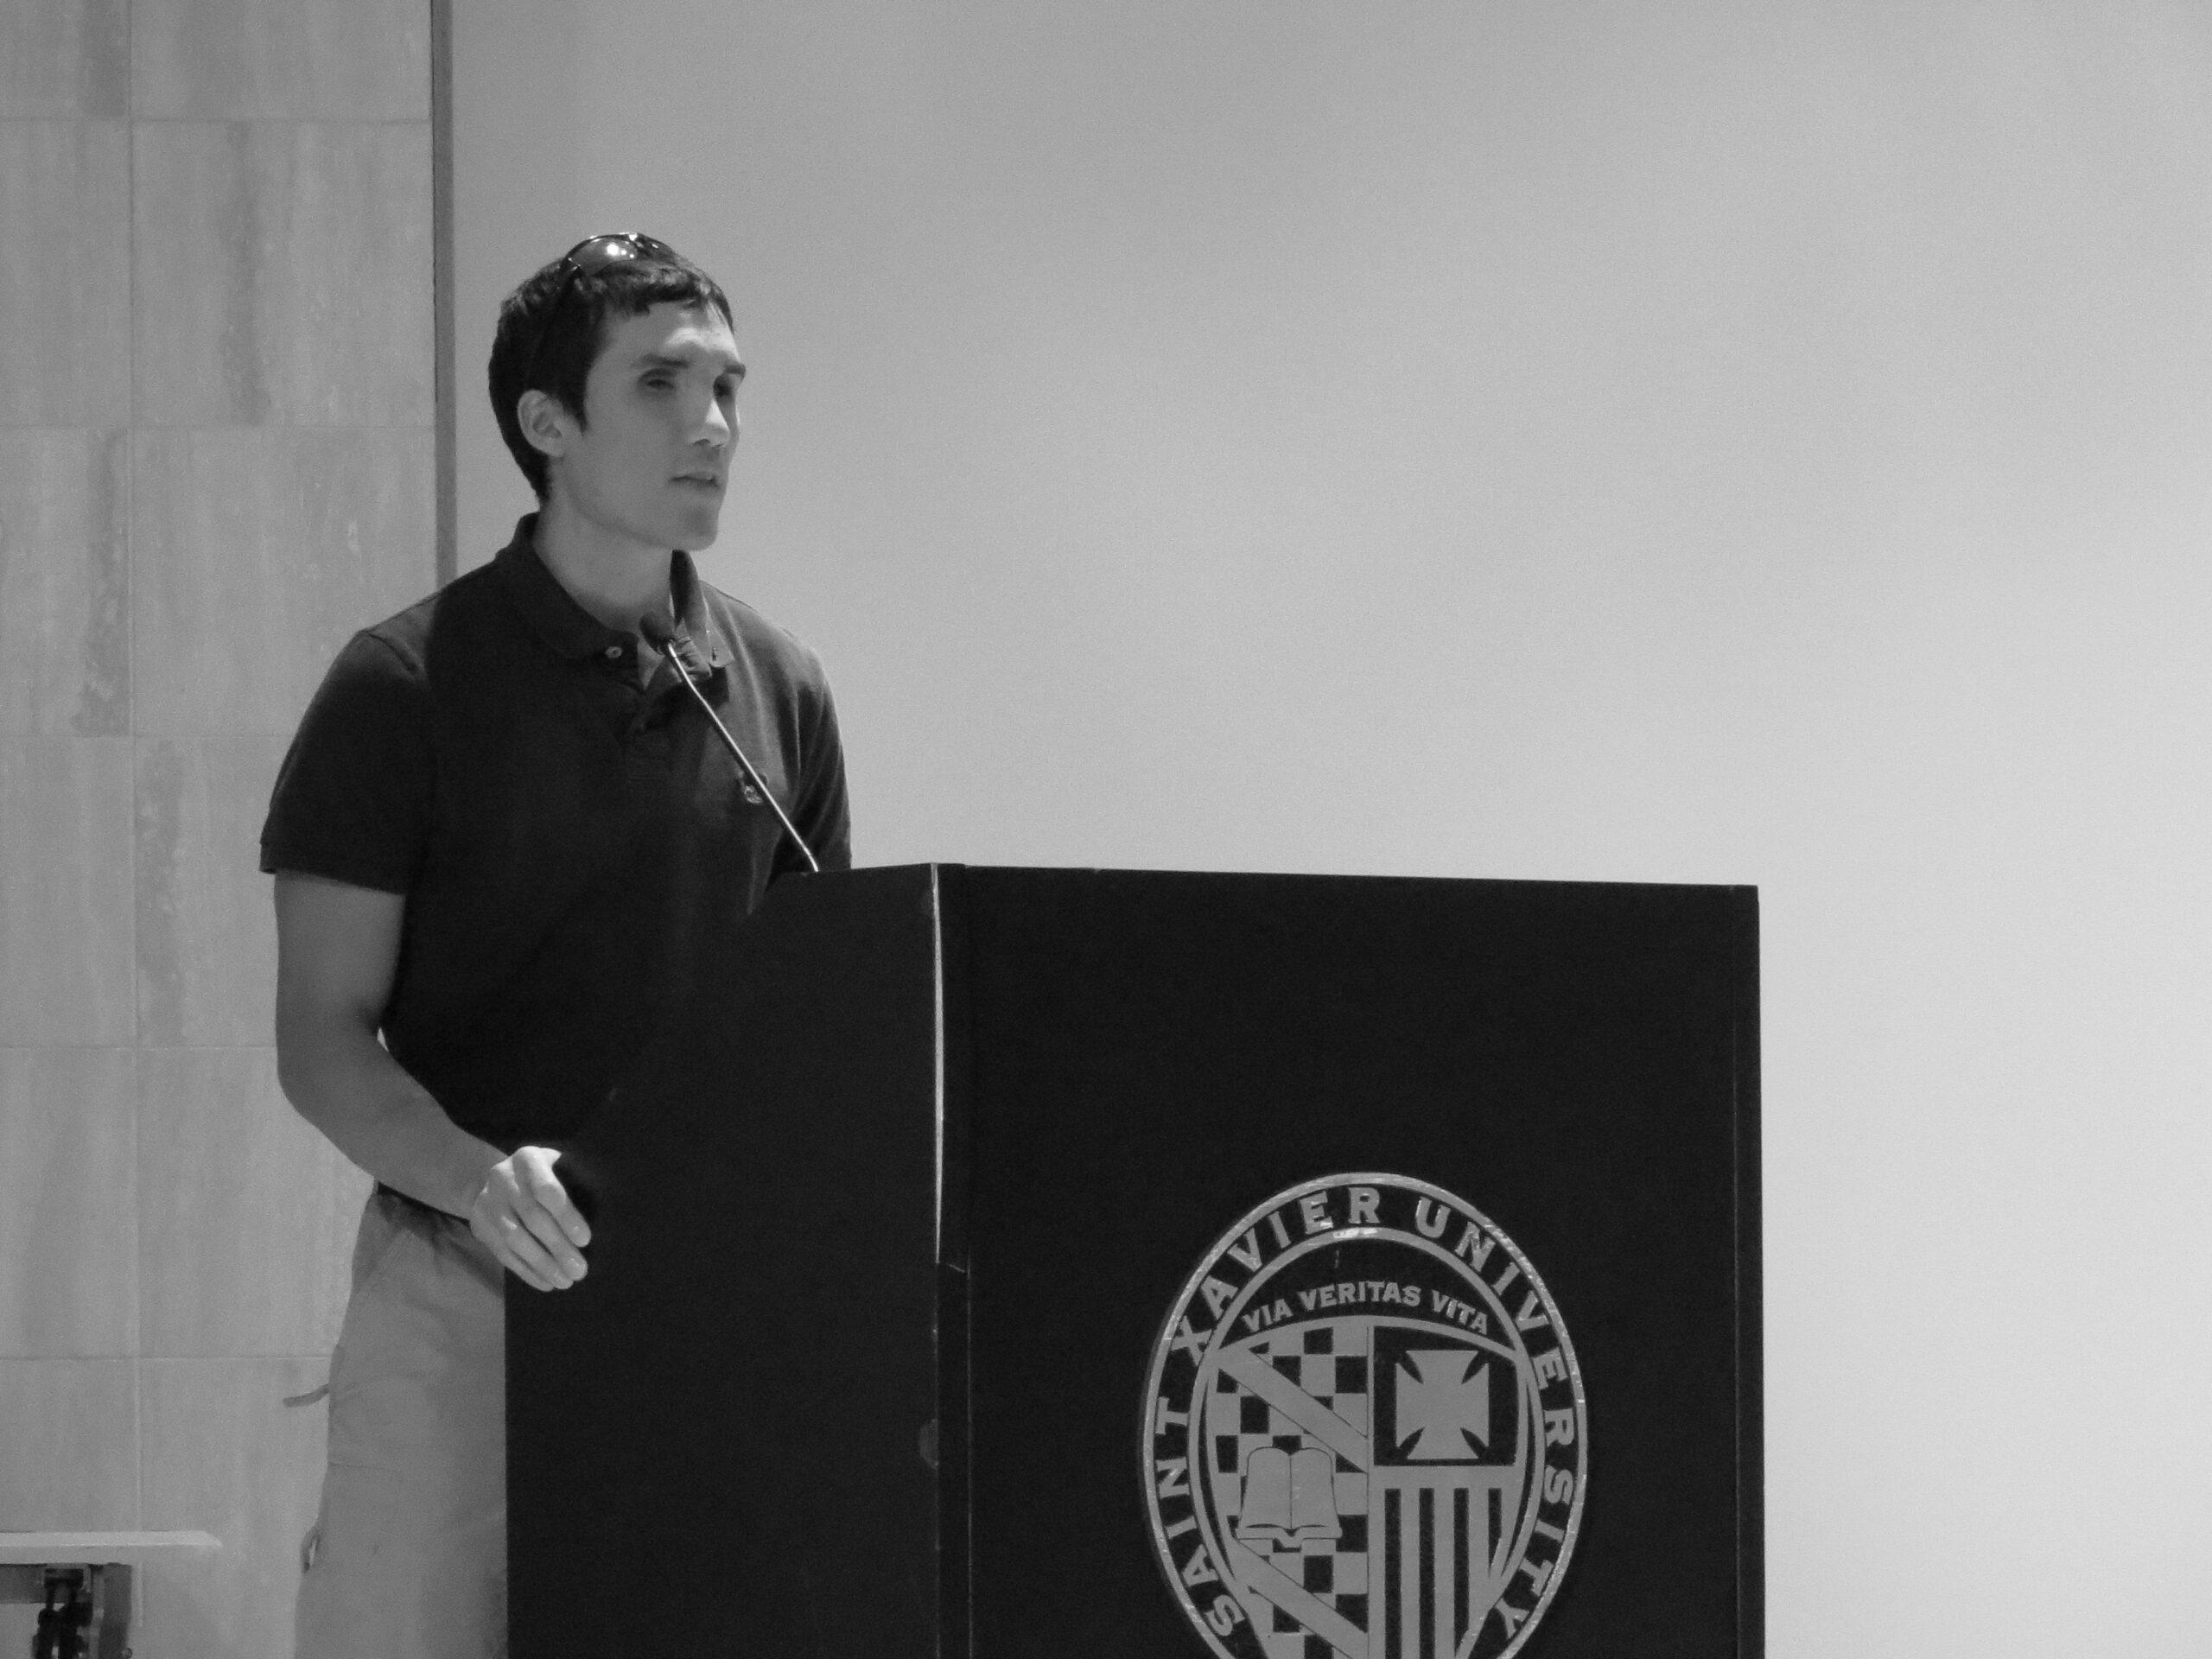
column 616, row 579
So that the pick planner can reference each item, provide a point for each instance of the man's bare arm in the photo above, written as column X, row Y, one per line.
column 337, row 949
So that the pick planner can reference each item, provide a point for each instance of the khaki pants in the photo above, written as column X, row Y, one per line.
column 409, row 1557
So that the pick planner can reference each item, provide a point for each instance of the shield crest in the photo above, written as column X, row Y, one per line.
column 1369, row 1480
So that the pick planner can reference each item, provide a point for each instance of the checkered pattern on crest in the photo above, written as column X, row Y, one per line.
column 1328, row 1359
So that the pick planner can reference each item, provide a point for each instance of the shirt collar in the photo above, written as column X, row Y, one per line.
column 573, row 632
column 697, row 641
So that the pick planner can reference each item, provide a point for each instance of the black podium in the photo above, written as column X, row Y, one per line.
column 948, row 1235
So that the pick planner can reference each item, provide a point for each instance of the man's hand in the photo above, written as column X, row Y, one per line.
column 524, row 1214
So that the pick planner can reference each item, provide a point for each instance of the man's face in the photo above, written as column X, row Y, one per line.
column 652, row 461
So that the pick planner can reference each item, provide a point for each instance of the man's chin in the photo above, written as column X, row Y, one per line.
column 696, row 534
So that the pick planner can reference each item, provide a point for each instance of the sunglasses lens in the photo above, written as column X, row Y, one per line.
column 595, row 255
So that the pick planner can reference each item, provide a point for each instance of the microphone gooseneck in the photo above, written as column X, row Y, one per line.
column 657, row 634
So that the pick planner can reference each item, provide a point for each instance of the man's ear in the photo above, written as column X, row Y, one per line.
column 546, row 427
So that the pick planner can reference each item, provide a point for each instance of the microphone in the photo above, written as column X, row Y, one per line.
column 657, row 634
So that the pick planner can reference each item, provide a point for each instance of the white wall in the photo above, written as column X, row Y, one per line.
column 1735, row 442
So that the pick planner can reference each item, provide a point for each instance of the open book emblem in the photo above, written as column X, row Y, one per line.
column 1364, row 1426
column 1289, row 1498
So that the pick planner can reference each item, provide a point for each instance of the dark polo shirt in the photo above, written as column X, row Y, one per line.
column 565, row 839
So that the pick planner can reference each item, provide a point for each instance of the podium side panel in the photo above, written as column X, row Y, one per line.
column 716, row 1440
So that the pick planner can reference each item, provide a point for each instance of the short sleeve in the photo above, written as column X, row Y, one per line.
column 353, row 799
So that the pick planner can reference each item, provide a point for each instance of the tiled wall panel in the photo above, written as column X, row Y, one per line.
column 69, row 1458
column 65, row 58
column 65, row 287
column 65, row 910
column 255, row 554
column 207, row 928
column 224, row 1454
column 68, row 1203
column 249, row 1213
column 283, row 274
column 298, row 60
column 65, row 640
column 216, row 461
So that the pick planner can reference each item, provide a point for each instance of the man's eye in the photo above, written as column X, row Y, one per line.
column 658, row 382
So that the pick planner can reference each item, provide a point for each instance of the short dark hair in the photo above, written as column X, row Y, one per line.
column 581, row 309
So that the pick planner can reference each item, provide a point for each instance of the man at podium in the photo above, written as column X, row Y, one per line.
column 512, row 815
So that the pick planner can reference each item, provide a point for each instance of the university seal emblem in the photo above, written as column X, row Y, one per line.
column 1363, row 1431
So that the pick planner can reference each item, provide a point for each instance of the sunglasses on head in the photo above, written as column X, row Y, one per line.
column 587, row 259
